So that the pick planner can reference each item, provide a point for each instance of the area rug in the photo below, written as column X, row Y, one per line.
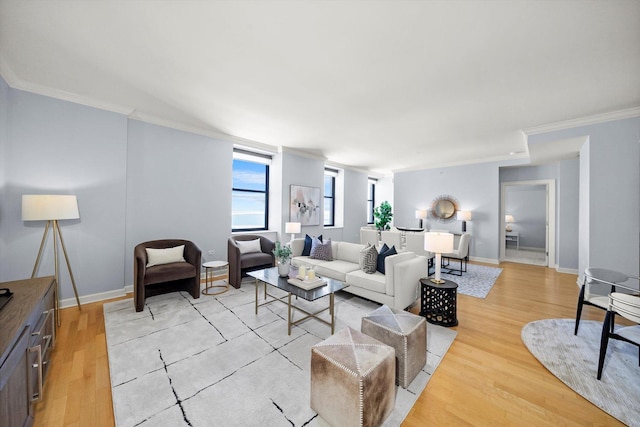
column 574, row 360
column 213, row 361
column 477, row 281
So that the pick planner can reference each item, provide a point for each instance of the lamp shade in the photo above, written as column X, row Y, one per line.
column 39, row 207
column 464, row 215
column 439, row 243
column 421, row 213
column 509, row 218
column 292, row 227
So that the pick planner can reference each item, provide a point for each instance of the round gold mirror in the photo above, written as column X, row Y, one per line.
column 444, row 207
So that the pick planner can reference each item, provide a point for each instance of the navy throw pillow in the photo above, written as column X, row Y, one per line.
column 382, row 255
column 306, row 251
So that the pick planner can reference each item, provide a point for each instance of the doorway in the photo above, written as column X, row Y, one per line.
column 529, row 235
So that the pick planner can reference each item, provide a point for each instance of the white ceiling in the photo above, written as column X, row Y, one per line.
column 380, row 85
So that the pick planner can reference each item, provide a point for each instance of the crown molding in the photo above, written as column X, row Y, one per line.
column 583, row 121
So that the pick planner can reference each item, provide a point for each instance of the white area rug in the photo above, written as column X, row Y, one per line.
column 213, row 361
column 574, row 360
column 477, row 281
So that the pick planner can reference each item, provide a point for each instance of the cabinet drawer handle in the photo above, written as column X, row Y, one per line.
column 36, row 397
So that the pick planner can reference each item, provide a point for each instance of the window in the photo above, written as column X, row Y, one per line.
column 250, row 193
column 371, row 199
column 330, row 196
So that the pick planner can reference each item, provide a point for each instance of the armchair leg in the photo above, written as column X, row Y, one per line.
column 604, row 342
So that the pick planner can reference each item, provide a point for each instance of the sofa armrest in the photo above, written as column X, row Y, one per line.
column 297, row 246
column 407, row 281
column 389, row 271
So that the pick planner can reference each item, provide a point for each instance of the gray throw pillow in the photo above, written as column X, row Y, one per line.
column 320, row 250
column 368, row 259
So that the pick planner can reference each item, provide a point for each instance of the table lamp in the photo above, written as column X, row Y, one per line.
column 464, row 216
column 438, row 243
column 509, row 219
column 292, row 228
column 52, row 208
column 421, row 214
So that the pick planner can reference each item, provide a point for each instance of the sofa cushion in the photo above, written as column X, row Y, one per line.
column 383, row 255
column 347, row 251
column 165, row 256
column 308, row 240
column 255, row 259
column 368, row 259
column 336, row 269
column 306, row 261
column 375, row 282
column 320, row 250
column 169, row 272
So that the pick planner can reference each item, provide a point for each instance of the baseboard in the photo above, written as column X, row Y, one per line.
column 87, row 299
column 485, row 260
column 567, row 270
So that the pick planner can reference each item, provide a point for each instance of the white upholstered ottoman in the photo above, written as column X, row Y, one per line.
column 352, row 379
column 406, row 333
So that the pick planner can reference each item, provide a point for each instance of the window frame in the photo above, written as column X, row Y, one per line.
column 259, row 158
column 333, row 173
column 371, row 185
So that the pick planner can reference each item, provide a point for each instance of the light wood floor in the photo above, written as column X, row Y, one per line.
column 487, row 378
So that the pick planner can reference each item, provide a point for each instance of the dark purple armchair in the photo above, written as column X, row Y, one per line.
column 159, row 279
column 240, row 264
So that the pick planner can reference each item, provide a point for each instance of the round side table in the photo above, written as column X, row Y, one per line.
column 216, row 270
column 439, row 302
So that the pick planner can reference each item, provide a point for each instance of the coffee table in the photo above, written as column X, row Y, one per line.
column 269, row 276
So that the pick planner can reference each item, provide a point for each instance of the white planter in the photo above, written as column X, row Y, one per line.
column 283, row 269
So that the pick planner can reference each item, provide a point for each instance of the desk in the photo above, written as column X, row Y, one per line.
column 512, row 236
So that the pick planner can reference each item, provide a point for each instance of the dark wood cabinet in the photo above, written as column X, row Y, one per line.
column 27, row 337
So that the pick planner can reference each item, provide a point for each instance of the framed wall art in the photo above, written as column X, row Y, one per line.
column 305, row 205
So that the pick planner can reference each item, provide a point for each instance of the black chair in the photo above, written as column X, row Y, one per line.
column 602, row 278
column 627, row 306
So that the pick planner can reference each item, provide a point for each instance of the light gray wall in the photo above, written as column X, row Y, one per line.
column 613, row 183
column 568, row 214
column 178, row 187
column 59, row 147
column 4, row 107
column 355, row 204
column 528, row 205
column 476, row 188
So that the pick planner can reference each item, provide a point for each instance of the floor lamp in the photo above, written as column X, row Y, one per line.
column 438, row 243
column 52, row 208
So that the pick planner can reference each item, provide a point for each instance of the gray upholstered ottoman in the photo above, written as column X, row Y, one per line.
column 406, row 333
column 352, row 379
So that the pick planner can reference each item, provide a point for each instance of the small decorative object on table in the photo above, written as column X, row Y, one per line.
column 306, row 279
column 283, row 255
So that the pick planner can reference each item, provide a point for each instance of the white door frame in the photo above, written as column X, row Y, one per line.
column 551, row 217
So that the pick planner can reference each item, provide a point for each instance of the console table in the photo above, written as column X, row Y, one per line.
column 512, row 236
column 27, row 336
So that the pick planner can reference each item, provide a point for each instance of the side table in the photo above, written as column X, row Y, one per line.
column 215, row 270
column 439, row 302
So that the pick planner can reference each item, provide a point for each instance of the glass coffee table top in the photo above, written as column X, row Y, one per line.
column 271, row 277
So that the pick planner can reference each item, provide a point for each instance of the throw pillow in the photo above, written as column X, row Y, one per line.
column 165, row 256
column 320, row 250
column 382, row 255
column 248, row 246
column 368, row 259
column 306, row 251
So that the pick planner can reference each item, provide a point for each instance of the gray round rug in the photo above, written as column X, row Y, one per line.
column 574, row 360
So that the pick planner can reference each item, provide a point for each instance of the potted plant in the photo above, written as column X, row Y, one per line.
column 382, row 215
column 283, row 255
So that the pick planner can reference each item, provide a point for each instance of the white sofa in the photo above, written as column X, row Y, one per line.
column 397, row 288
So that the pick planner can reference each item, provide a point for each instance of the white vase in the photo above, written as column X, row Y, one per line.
column 283, row 269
